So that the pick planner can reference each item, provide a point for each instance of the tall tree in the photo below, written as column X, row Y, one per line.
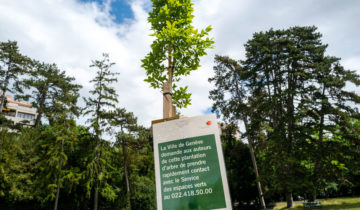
column 330, row 111
column 239, row 168
column 66, row 134
column 102, row 100
column 177, row 49
column 286, row 65
column 49, row 87
column 279, row 63
column 130, row 136
column 12, row 65
column 236, row 107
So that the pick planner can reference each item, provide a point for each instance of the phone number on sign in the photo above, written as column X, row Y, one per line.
column 205, row 191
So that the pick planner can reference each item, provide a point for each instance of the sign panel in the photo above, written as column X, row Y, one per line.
column 189, row 165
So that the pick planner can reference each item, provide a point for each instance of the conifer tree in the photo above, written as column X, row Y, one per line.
column 102, row 100
column 301, row 96
column 128, row 136
column 330, row 109
column 48, row 87
column 237, row 107
column 12, row 65
column 65, row 132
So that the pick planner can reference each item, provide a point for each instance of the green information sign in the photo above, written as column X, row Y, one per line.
column 190, row 171
column 190, row 174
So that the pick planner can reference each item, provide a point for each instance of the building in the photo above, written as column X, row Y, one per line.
column 19, row 112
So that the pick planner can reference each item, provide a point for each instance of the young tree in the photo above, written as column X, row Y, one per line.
column 102, row 100
column 227, row 79
column 177, row 49
column 12, row 66
column 51, row 91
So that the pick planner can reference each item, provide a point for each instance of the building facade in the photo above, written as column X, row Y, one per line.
column 19, row 112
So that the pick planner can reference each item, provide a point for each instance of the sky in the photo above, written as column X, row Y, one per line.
column 72, row 33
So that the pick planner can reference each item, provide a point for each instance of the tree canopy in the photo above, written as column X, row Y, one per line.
column 177, row 47
column 296, row 104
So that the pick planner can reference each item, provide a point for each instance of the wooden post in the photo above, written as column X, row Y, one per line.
column 173, row 111
column 167, row 101
column 169, row 110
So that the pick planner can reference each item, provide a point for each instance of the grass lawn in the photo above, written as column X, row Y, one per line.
column 352, row 203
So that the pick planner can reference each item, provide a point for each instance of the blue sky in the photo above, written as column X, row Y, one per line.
column 119, row 9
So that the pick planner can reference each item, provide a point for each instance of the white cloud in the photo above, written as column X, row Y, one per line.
column 71, row 34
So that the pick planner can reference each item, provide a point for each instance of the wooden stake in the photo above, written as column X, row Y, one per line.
column 167, row 101
column 173, row 111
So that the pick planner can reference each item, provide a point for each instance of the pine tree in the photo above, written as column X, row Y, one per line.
column 12, row 66
column 330, row 110
column 49, row 86
column 299, row 100
column 129, row 136
column 227, row 79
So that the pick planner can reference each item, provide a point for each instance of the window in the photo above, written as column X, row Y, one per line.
column 26, row 116
column 9, row 112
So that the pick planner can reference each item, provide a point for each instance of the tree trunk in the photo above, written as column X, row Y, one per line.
column 167, row 89
column 4, row 88
column 289, row 200
column 167, row 101
column 128, row 204
column 313, row 197
column 2, row 101
column 251, row 148
column 38, row 119
column 317, row 172
column 3, row 97
column 57, row 195
column 96, row 197
column 40, row 110
column 253, row 160
column 58, row 179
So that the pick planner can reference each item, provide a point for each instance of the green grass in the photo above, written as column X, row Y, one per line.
column 352, row 203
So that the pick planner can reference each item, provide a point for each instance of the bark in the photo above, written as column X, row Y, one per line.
column 38, row 119
column 96, row 197
column 170, row 68
column 169, row 83
column 2, row 100
column 289, row 200
column 6, row 83
column 128, row 204
column 252, row 154
column 40, row 110
column 313, row 196
column 58, row 179
column 321, row 148
column 57, row 197
column 253, row 160
column 167, row 103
